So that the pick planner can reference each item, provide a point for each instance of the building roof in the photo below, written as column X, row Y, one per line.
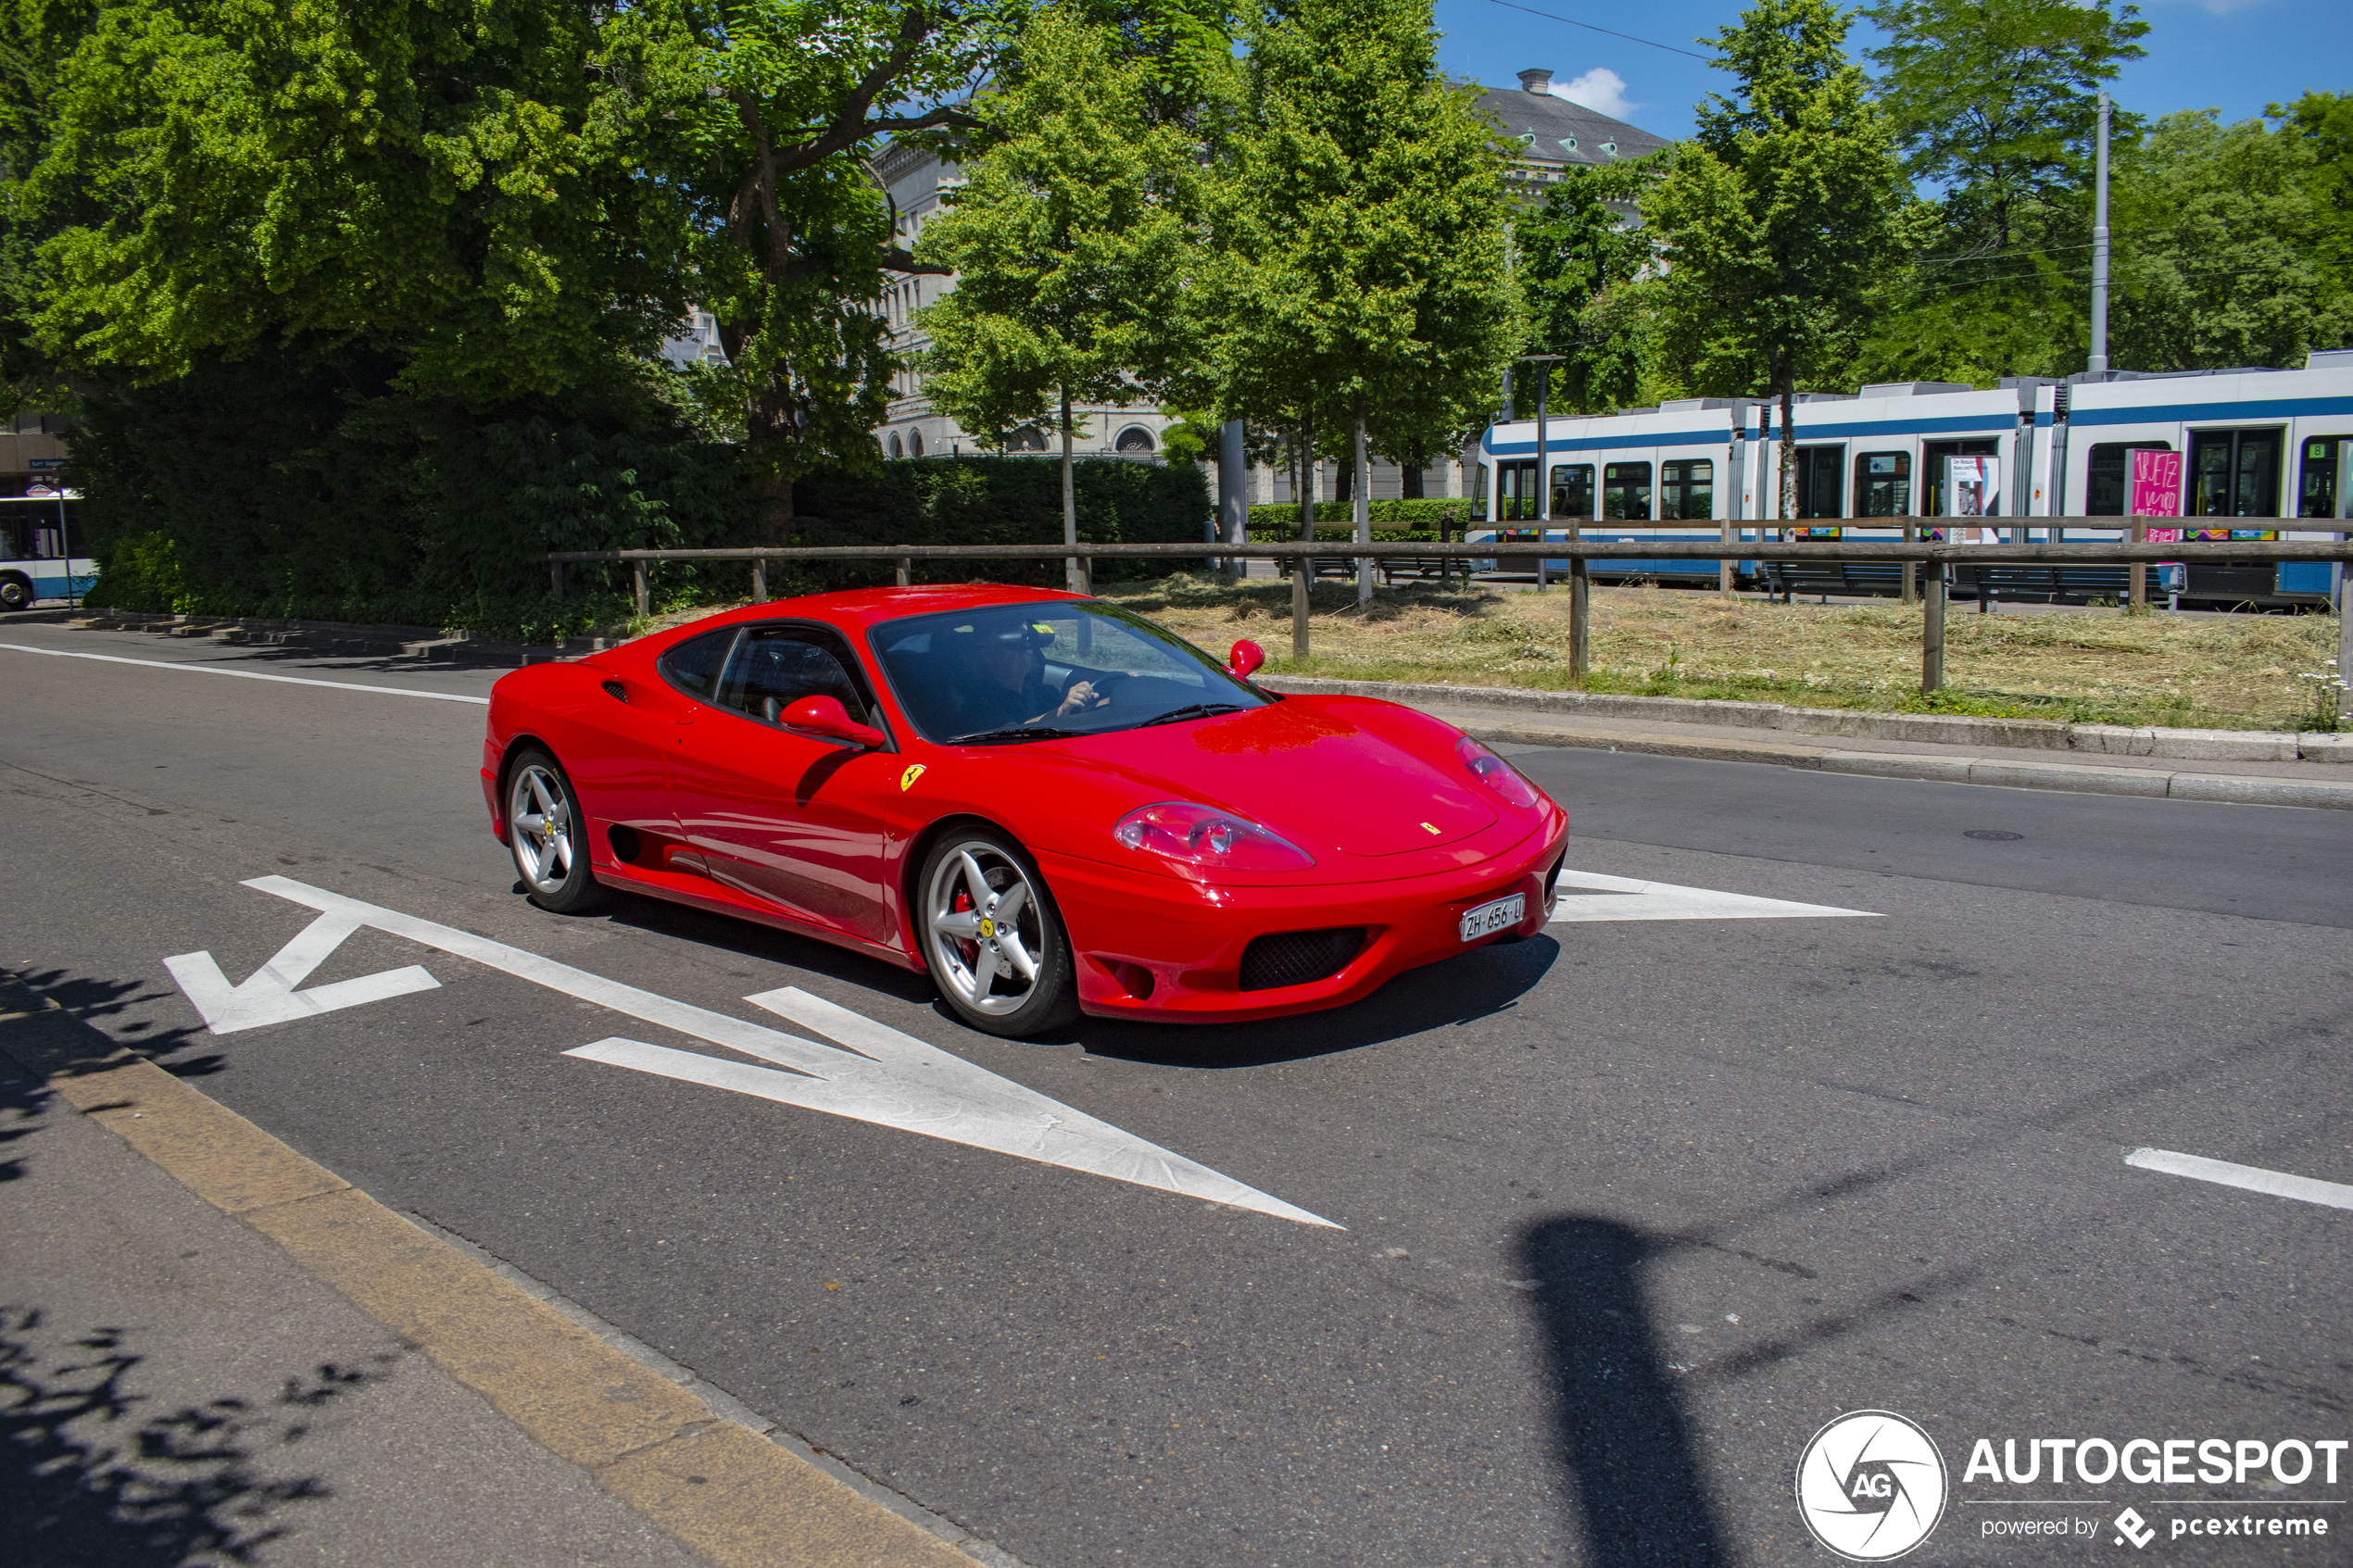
column 1553, row 130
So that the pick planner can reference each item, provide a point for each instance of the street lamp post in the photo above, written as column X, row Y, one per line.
column 1543, row 455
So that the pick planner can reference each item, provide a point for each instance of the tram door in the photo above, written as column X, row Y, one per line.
column 1516, row 491
column 1821, row 490
column 2235, row 474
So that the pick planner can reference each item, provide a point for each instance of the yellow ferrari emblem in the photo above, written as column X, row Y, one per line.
column 906, row 780
column 1428, row 828
column 987, row 930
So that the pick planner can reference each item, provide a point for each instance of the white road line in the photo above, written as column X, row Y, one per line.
column 2253, row 1178
column 876, row 1074
column 1625, row 898
column 245, row 674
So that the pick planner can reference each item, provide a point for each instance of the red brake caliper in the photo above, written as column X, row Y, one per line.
column 963, row 903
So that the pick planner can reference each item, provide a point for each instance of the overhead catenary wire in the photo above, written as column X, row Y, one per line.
column 1589, row 26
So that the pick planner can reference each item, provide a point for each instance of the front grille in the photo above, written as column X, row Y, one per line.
column 1294, row 957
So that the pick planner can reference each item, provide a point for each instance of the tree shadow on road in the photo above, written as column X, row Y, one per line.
column 88, row 1480
column 1622, row 1433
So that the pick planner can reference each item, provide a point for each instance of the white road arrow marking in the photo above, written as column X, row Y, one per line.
column 877, row 1074
column 1622, row 897
column 268, row 994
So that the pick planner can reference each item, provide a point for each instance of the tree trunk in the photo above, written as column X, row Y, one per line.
column 1787, row 387
column 1363, row 497
column 1075, row 580
column 770, row 436
column 1410, row 479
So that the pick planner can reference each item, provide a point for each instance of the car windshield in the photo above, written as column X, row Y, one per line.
column 1008, row 674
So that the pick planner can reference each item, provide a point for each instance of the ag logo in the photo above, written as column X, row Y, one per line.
column 906, row 780
column 1870, row 1485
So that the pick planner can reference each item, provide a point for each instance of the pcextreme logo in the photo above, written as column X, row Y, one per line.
column 1871, row 1486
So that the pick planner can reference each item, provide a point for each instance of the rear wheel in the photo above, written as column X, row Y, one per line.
column 15, row 593
column 993, row 939
column 548, row 835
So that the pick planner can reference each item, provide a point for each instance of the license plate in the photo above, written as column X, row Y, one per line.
column 1489, row 918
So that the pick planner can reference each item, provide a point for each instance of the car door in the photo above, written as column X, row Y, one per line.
column 794, row 820
column 625, row 778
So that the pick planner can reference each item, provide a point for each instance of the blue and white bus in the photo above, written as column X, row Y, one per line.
column 2258, row 446
column 36, row 532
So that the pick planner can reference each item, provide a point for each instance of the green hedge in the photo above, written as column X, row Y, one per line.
column 1411, row 515
column 1343, row 535
column 979, row 500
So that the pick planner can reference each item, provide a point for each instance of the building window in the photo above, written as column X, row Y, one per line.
column 914, row 443
column 1028, row 438
column 895, row 449
column 1134, row 442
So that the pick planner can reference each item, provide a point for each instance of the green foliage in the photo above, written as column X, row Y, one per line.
column 1360, row 222
column 2324, row 122
column 1401, row 518
column 984, row 500
column 1582, row 256
column 1782, row 213
column 258, row 488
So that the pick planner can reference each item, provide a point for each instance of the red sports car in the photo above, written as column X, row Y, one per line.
column 1052, row 806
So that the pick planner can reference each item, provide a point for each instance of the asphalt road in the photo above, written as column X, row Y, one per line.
column 1629, row 1211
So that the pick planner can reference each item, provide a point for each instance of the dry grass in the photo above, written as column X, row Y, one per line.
column 2240, row 672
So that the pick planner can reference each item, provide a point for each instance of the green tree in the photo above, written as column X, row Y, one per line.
column 1072, row 242
column 1582, row 256
column 1781, row 212
column 2221, row 256
column 1363, row 266
column 2324, row 122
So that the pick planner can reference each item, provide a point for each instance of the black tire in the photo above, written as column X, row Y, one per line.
column 16, row 593
column 976, row 954
column 548, row 835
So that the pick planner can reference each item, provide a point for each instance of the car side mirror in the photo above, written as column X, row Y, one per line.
column 1245, row 659
column 824, row 716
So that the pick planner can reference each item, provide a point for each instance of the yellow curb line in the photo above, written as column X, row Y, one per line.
column 715, row 1484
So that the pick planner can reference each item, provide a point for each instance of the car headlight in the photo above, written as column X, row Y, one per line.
column 1208, row 839
column 1496, row 773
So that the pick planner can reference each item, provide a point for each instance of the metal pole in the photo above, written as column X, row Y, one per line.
column 644, row 602
column 1233, row 488
column 1933, row 633
column 2140, row 535
column 1544, row 458
column 905, row 565
column 758, row 581
column 65, row 543
column 2097, row 364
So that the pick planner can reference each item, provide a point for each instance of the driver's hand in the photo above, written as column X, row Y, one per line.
column 1079, row 698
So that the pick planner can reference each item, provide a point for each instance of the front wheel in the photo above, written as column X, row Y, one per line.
column 548, row 835
column 993, row 939
column 15, row 594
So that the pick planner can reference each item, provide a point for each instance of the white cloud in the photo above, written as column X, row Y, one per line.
column 1601, row 90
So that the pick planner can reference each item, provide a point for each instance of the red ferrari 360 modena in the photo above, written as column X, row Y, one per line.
column 1051, row 805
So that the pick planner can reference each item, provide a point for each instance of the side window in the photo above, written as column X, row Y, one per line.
column 776, row 667
column 693, row 667
column 1625, row 492
column 1687, row 490
column 1573, row 491
column 1883, row 484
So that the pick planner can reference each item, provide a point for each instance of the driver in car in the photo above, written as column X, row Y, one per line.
column 1012, row 690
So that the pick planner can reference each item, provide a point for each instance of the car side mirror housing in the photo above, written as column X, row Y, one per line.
column 1245, row 659
column 825, row 717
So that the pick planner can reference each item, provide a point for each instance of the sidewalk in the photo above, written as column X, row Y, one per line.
column 213, row 1350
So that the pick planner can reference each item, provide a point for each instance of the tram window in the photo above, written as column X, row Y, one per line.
column 2108, row 477
column 1883, row 484
column 1573, row 491
column 2316, row 496
column 1932, row 456
column 1516, row 491
column 1687, row 490
column 1625, row 492
column 1478, row 494
column 1818, row 491
column 2235, row 474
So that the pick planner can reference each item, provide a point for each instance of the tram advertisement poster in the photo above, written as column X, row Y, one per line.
column 2157, row 485
column 1975, row 487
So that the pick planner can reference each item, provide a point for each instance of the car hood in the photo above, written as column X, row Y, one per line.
column 1306, row 769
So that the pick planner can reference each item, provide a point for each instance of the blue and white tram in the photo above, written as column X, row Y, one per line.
column 2258, row 446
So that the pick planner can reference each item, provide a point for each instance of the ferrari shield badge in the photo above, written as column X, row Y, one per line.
column 906, row 780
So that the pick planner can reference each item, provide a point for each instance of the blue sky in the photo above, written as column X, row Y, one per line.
column 2234, row 56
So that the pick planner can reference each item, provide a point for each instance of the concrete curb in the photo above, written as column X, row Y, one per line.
column 417, row 643
column 1933, row 729
column 722, row 1485
column 2004, row 773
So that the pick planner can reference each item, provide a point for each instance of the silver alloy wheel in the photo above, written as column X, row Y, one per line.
column 540, row 825
column 986, row 930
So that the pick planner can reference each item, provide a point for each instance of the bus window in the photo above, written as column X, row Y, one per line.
column 2108, row 477
column 12, row 530
column 2316, row 496
column 1883, row 484
column 1573, row 491
column 1625, row 492
column 2235, row 474
column 1820, row 492
column 1687, row 490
